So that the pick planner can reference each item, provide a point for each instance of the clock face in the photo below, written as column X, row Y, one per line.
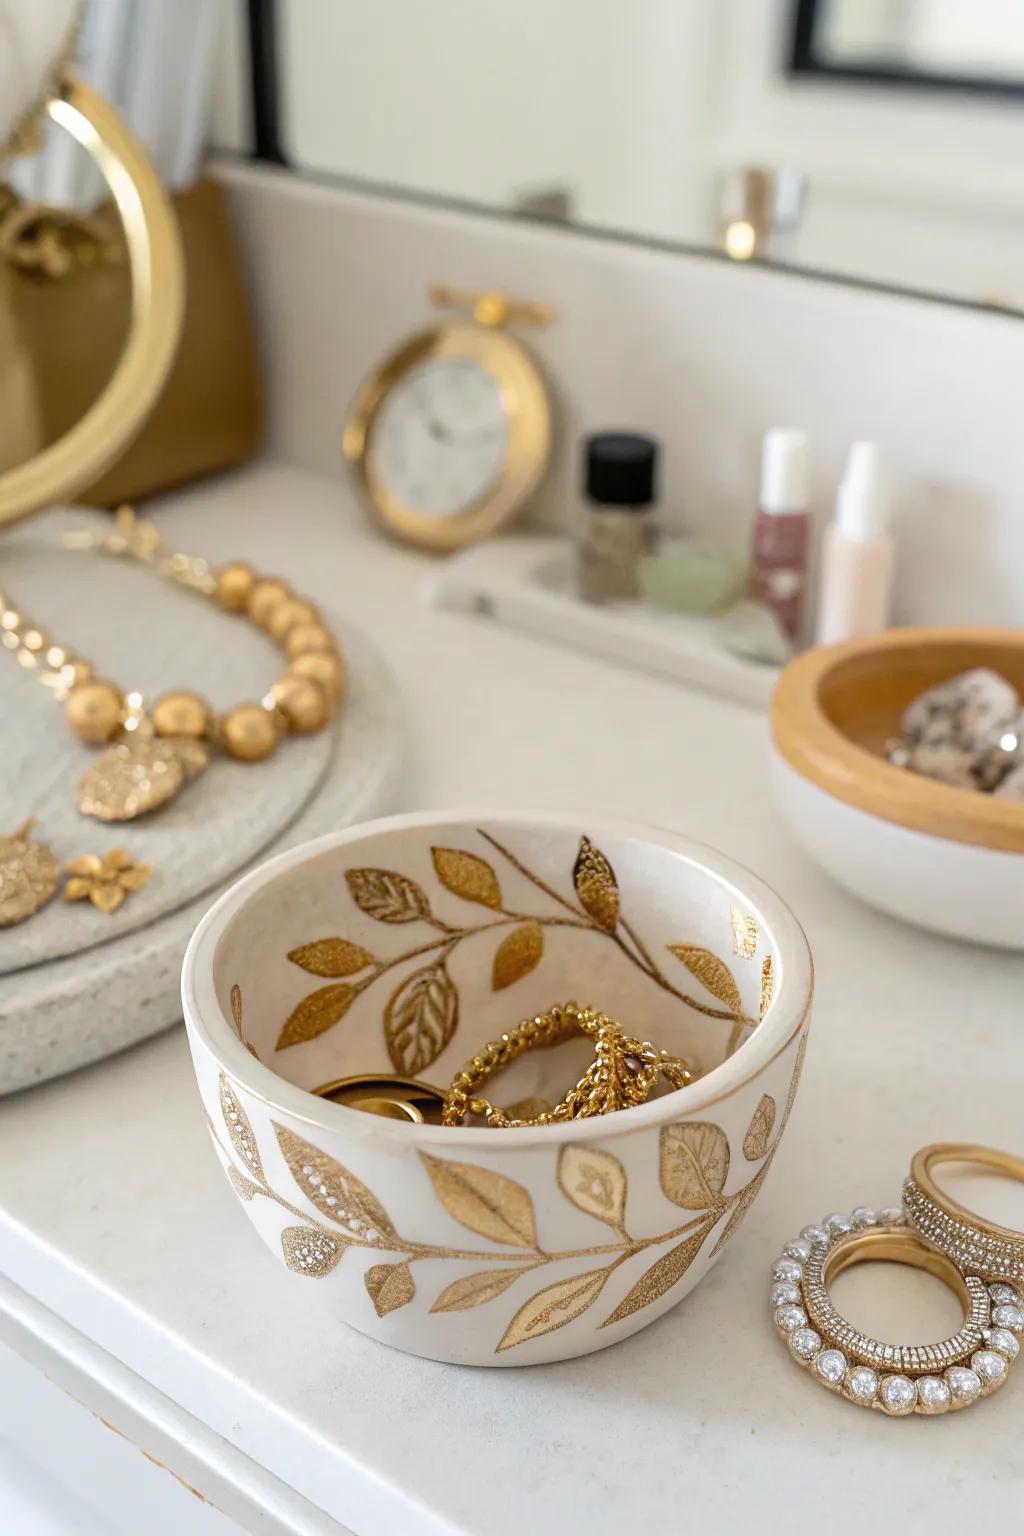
column 440, row 437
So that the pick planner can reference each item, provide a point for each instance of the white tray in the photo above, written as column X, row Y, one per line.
column 527, row 584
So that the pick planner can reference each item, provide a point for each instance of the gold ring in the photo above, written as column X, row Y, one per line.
column 898, row 1379
column 968, row 1239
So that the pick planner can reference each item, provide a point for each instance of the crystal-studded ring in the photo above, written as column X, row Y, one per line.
column 970, row 1241
column 898, row 1379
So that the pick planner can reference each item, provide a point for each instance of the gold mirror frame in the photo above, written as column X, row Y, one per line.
column 82, row 454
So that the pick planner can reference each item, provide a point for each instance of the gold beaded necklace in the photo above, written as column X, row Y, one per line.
column 151, row 753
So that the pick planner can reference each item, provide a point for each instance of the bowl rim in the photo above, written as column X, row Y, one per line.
column 782, row 1023
column 817, row 750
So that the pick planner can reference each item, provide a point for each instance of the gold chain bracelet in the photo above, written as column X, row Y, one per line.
column 623, row 1072
column 151, row 753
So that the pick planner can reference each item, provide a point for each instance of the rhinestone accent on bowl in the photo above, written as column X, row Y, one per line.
column 1007, row 1316
column 864, row 1216
column 788, row 1270
column 783, row 1294
column 1005, row 1294
column 799, row 1248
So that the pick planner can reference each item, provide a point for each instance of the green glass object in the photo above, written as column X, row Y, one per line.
column 691, row 574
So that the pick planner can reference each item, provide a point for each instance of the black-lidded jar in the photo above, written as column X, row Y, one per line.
column 620, row 490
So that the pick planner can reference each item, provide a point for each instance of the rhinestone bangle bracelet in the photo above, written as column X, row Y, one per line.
column 897, row 1379
column 995, row 1252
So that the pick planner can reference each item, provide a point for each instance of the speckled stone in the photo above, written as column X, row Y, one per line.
column 120, row 984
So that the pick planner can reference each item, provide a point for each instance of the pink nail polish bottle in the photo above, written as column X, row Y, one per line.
column 782, row 529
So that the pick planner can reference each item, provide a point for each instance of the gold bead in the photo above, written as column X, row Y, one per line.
column 308, row 637
column 234, row 583
column 286, row 615
column 181, row 714
column 303, row 703
column 249, row 732
column 265, row 598
column 93, row 711
column 323, row 668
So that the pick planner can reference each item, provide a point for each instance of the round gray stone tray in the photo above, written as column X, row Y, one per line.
column 61, row 1013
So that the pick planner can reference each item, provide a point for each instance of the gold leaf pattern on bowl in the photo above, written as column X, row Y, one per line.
column 421, row 1013
column 517, row 955
column 755, row 1142
column 389, row 1287
column 596, row 886
column 744, row 934
column 694, row 1167
column 467, row 875
column 694, row 1164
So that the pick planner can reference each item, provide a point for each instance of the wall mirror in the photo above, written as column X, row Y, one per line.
column 870, row 140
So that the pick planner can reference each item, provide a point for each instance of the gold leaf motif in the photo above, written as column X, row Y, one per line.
column 746, row 1198
column 386, row 895
column 240, row 1132
column 694, row 1164
column 390, row 1286
column 468, row 876
column 420, row 1018
column 236, row 1008
column 517, row 955
column 767, row 985
column 748, row 1194
column 553, row 1307
column 596, row 886
column 318, row 1012
column 129, row 779
column 744, row 934
column 244, row 1188
column 486, row 1202
column 755, row 1142
column 308, row 1251
column 661, row 1276
column 474, row 1290
column 711, row 972
column 331, row 957
column 334, row 1191
column 595, row 1182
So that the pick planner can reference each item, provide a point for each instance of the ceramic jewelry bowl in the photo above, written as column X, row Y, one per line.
column 942, row 857
column 403, row 946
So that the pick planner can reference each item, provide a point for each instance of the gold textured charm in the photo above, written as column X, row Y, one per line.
column 106, row 882
column 132, row 778
column 28, row 876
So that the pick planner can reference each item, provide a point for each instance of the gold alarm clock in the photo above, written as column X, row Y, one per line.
column 451, row 434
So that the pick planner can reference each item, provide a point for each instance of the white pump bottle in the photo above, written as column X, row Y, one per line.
column 857, row 556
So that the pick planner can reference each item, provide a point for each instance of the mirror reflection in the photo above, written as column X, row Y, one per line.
column 876, row 140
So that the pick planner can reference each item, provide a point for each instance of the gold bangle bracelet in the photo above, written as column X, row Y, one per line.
column 897, row 1379
column 972, row 1242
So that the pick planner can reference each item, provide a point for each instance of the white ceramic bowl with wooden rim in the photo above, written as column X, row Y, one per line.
column 405, row 945
column 940, row 857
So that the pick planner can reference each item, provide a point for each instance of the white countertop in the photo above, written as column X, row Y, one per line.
column 114, row 1215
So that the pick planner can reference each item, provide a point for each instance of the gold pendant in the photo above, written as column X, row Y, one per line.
column 138, row 775
column 28, row 876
